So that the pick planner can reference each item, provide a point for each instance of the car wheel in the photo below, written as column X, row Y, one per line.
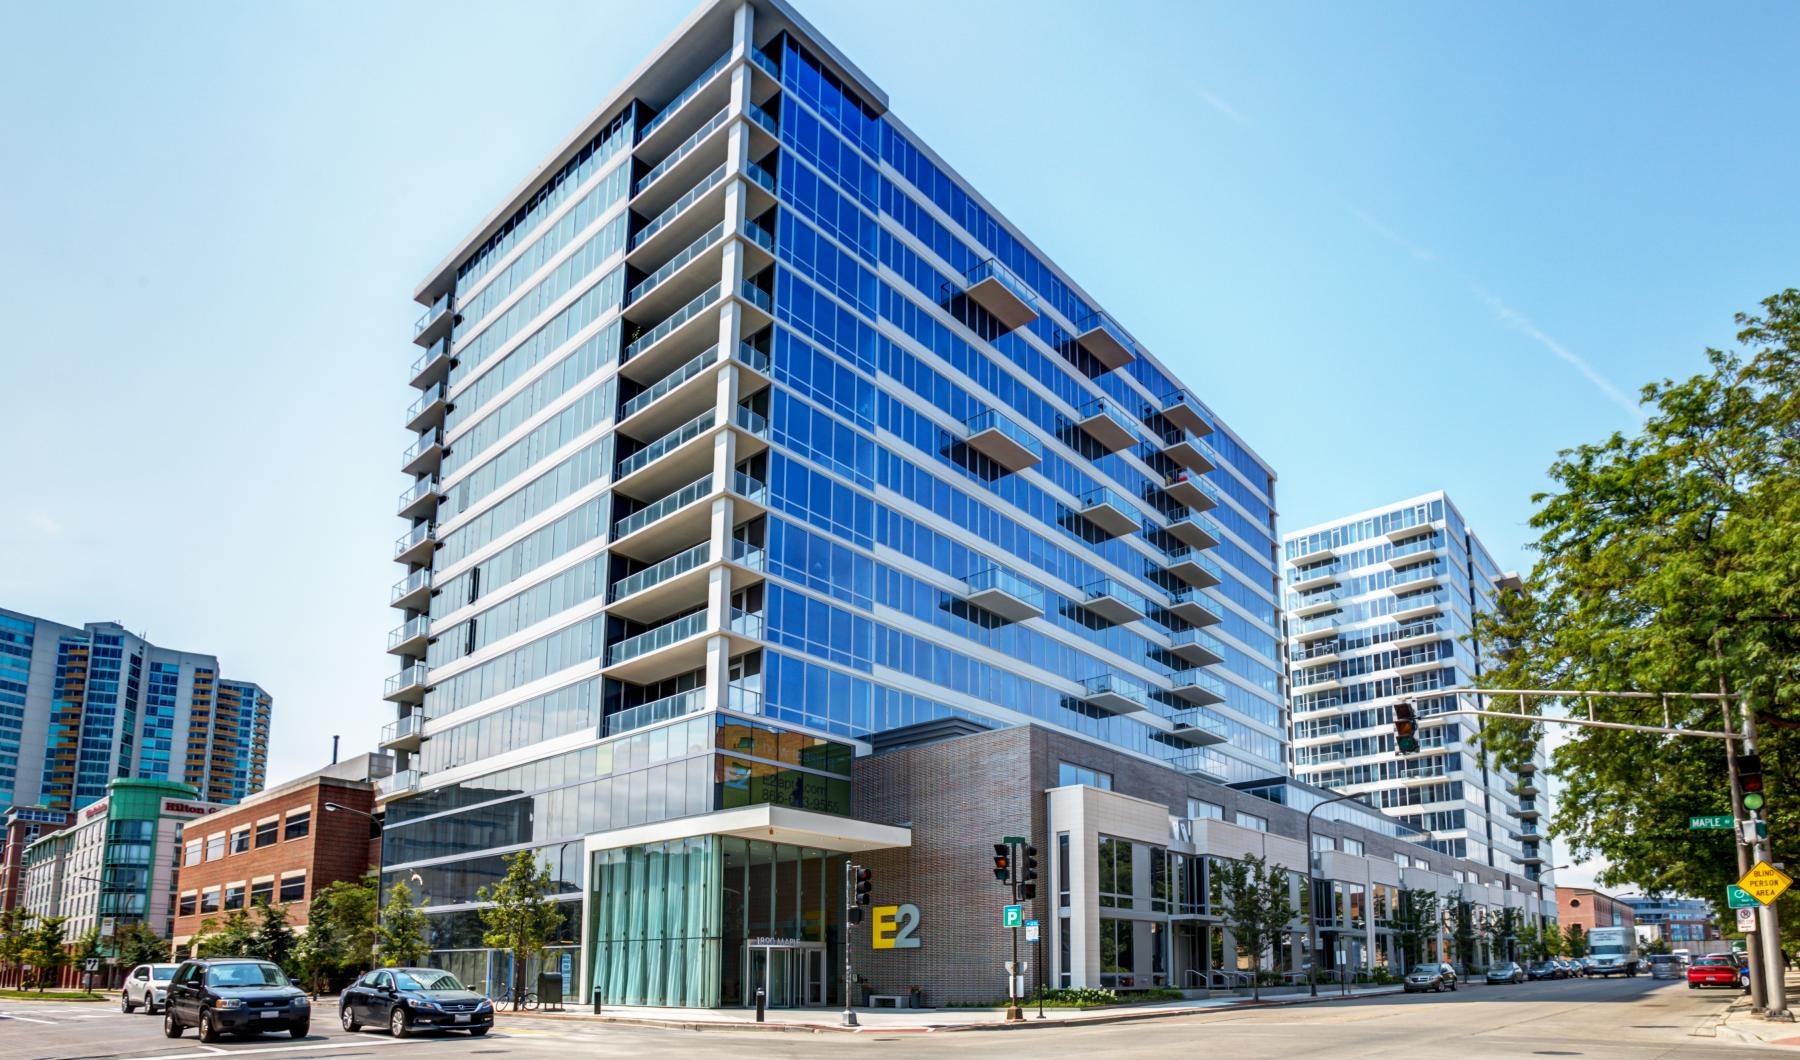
column 299, row 1030
column 347, row 1017
column 398, row 1024
column 209, row 1032
column 476, row 1032
column 171, row 1027
column 125, row 1004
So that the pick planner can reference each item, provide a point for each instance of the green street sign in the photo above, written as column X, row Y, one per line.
column 1738, row 898
column 1720, row 821
column 1015, row 916
column 1013, row 840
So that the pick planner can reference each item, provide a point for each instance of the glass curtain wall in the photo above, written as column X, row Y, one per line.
column 656, row 911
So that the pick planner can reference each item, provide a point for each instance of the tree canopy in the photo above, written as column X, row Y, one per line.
column 1257, row 908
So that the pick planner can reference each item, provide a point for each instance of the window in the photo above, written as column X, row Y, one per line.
column 262, row 890
column 209, row 900
column 293, row 887
column 1201, row 810
column 1324, row 842
column 1116, row 959
column 191, row 853
column 267, row 831
column 240, row 839
column 1353, row 846
column 234, row 895
column 1068, row 773
column 1115, row 872
column 299, row 823
column 190, row 901
column 215, row 846
column 1062, row 874
column 1250, row 820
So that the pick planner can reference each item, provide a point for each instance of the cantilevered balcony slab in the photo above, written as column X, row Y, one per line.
column 1114, row 601
column 428, row 410
column 1192, row 605
column 1407, row 533
column 1305, row 605
column 406, row 733
column 1192, row 490
column 416, row 545
column 1198, row 686
column 1193, row 566
column 1315, row 577
column 420, row 499
column 1196, row 728
column 1114, row 694
column 671, row 523
column 433, row 366
column 1102, row 337
column 425, row 455
column 435, row 324
column 1316, row 652
column 666, row 651
column 1194, row 530
column 1001, row 592
column 1003, row 440
column 667, row 587
column 1419, row 605
column 1186, row 449
column 1317, row 554
column 1107, row 424
column 1180, row 408
column 407, row 686
column 1423, row 576
column 411, row 592
column 1110, row 512
column 993, row 287
column 410, row 638
column 1196, row 646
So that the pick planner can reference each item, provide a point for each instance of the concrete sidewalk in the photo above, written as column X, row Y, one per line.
column 889, row 1021
column 1741, row 1024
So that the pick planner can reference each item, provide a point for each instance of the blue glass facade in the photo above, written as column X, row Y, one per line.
column 755, row 409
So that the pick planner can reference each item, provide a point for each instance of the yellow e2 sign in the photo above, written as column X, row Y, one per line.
column 893, row 927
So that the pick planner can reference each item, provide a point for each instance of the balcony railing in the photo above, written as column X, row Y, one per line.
column 712, row 125
column 1180, row 407
column 656, row 639
column 1002, row 440
column 1107, row 424
column 760, row 236
column 711, row 181
column 435, row 436
column 673, row 321
column 674, row 264
column 758, row 297
column 411, row 677
column 1428, row 543
column 1004, row 593
column 436, row 393
column 1314, row 650
column 993, row 286
column 1113, row 600
column 1197, row 641
column 1198, row 680
column 396, row 783
column 678, row 705
column 437, row 309
column 409, row 630
column 755, row 358
column 699, row 364
column 761, row 176
column 420, row 490
column 412, row 583
column 680, row 563
column 1115, row 693
column 746, row 623
column 770, row 123
column 676, row 438
column 440, row 348
column 768, row 65
column 413, row 538
column 1102, row 337
column 681, row 498
column 745, row 554
column 749, row 488
column 411, row 725
column 692, row 90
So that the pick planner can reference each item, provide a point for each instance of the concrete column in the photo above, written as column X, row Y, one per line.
column 743, row 29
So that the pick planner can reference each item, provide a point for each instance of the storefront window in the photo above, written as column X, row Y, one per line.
column 1115, row 872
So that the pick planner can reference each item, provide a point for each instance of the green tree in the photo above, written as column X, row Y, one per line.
column 520, row 918
column 341, row 926
column 1504, row 931
column 1415, row 924
column 86, row 948
column 1668, row 559
column 1258, row 908
column 236, row 937
column 403, row 928
column 1463, row 932
column 16, row 926
column 1657, row 945
column 274, row 935
column 137, row 944
column 45, row 951
column 1575, row 941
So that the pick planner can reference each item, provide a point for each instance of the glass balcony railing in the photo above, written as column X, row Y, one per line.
column 1193, row 598
column 657, row 639
column 1199, row 680
column 711, row 181
column 1424, row 572
column 696, row 366
column 440, row 348
column 1108, row 497
column 412, row 676
column 743, row 700
column 750, row 488
column 678, row 705
column 1187, row 554
column 1314, row 650
column 758, row 297
column 769, row 122
column 1114, row 686
column 1194, row 718
column 745, row 554
column 1427, row 543
column 672, row 321
column 993, row 420
column 768, row 65
column 760, row 236
column 436, row 393
column 1112, row 589
column 435, row 436
column 746, row 623
column 676, row 438
column 1313, row 625
column 1181, row 407
column 1200, row 639
column 674, row 264
column 413, row 538
column 991, row 269
column 681, row 498
column 1437, row 598
column 410, row 725
column 754, row 423
column 1322, row 598
column 761, row 176
column 438, row 308
column 419, row 491
column 1101, row 407
column 1100, row 321
column 1316, row 675
column 753, row 357
column 692, row 90
column 687, row 146
column 402, row 781
column 410, row 630
column 657, row 573
column 1196, row 481
column 412, row 583
column 999, row 579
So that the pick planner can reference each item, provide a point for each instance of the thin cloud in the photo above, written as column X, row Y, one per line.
column 1213, row 100
column 44, row 524
column 1579, row 363
column 1392, row 236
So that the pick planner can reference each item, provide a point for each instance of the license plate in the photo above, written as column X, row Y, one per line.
column 270, row 1015
column 462, row 1017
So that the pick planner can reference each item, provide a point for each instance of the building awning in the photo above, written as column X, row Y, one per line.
column 768, row 823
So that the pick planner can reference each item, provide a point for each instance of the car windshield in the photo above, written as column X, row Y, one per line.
column 163, row 971
column 1715, row 962
column 245, row 975
column 1425, row 969
column 426, row 979
column 1500, row 968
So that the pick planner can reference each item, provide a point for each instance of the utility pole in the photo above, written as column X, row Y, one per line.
column 1752, row 953
column 1768, row 921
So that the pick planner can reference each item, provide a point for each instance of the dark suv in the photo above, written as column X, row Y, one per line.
column 234, row 995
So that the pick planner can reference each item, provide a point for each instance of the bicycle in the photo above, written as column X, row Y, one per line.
column 518, row 999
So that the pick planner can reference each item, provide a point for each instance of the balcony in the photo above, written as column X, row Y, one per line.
column 1001, row 592
column 1192, row 490
column 1114, row 601
column 420, row 499
column 1305, row 605
column 1420, row 604
column 1318, row 679
column 666, row 587
column 424, row 456
column 1409, row 532
column 410, row 637
column 1194, row 529
column 1317, row 553
column 1114, row 694
column 1191, row 605
column 755, row 298
column 407, row 686
column 688, row 523
column 411, row 592
column 1526, row 785
column 661, row 292
column 432, row 366
column 1180, row 408
column 993, row 287
column 1315, row 577
column 1102, row 337
column 1423, row 576
column 1193, row 566
column 674, row 225
column 1197, row 728
column 416, row 545
column 667, row 708
column 400, row 783
column 1319, row 651
column 1528, row 808
column 1110, row 512
column 1531, row 856
column 627, row 477
column 1410, row 633
column 1419, row 660
column 405, row 734
column 1428, row 547
column 684, row 157
column 672, row 648
column 435, row 324
column 1197, row 646
column 1003, row 441
column 708, row 80
column 428, row 410
column 1185, row 448
column 1198, row 686
column 1200, row 765
column 1107, row 424
column 657, row 350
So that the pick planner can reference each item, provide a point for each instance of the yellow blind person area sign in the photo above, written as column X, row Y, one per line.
column 1765, row 882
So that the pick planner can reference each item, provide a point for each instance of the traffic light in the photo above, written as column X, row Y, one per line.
column 1028, row 873
column 1002, row 863
column 1750, row 780
column 862, row 877
column 854, row 914
column 1406, row 728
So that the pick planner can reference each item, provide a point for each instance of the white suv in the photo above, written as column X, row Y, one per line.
column 148, row 986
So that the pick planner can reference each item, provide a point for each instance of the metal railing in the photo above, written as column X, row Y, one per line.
column 440, row 348
column 411, row 583
column 674, row 264
column 758, row 297
column 431, row 394
column 408, row 630
column 407, row 678
column 672, row 321
column 435, row 436
column 676, row 438
column 681, row 498
column 692, row 368
column 656, row 573
column 438, row 308
column 418, row 535
column 693, row 701
column 713, row 124
column 411, row 725
column 708, row 183
column 692, row 90
column 657, row 639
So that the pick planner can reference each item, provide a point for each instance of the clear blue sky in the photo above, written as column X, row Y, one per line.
column 1398, row 246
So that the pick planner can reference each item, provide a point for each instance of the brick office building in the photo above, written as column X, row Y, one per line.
column 280, row 846
column 1592, row 909
column 21, row 826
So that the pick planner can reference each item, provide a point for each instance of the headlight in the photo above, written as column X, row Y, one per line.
column 302, row 1002
column 483, row 1005
column 228, row 1002
column 422, row 1003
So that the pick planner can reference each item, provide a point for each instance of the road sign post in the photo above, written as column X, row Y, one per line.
column 1738, row 898
column 1012, row 916
column 1722, row 822
column 1765, row 883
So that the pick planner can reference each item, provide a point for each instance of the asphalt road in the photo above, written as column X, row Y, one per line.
column 1627, row 1019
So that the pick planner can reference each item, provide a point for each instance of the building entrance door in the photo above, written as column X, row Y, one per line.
column 791, row 974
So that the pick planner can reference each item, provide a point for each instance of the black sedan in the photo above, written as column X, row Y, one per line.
column 1547, row 970
column 407, row 999
column 235, row 995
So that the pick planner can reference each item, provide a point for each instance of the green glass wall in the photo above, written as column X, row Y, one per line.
column 655, row 926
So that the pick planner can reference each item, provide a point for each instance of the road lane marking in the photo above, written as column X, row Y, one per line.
column 27, row 1019
column 336, row 1044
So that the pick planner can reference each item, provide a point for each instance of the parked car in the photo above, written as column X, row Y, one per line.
column 1434, row 977
column 406, row 999
column 1717, row 970
column 1666, row 966
column 1505, row 972
column 1549, row 969
column 1572, row 968
column 146, row 987
column 1587, row 965
column 235, row 995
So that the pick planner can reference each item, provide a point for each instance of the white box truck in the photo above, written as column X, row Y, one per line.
column 1614, row 950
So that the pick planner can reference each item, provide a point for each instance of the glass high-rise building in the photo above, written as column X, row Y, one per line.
column 81, row 706
column 1380, row 608
column 746, row 432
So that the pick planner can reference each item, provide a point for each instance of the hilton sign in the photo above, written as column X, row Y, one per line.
column 183, row 808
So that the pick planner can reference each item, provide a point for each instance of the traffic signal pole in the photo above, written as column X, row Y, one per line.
column 1768, row 920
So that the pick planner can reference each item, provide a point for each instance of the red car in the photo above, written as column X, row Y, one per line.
column 1712, row 971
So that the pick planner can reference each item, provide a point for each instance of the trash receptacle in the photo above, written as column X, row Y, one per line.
column 549, row 992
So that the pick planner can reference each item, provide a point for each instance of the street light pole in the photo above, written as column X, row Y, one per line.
column 1312, row 896
column 375, row 942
